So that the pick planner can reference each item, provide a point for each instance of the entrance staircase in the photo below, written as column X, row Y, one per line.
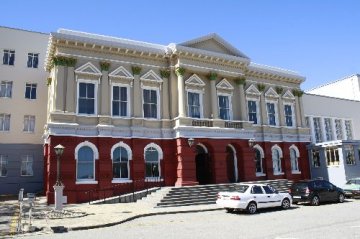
column 206, row 194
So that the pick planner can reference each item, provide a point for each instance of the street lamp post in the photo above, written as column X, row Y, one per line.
column 58, row 187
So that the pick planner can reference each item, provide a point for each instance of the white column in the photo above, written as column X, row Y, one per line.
column 243, row 115
column 181, row 88
column 281, row 112
column 343, row 129
column 323, row 129
column 214, row 101
column 297, row 110
column 263, row 120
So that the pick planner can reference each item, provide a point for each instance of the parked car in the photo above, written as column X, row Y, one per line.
column 352, row 188
column 315, row 192
column 251, row 197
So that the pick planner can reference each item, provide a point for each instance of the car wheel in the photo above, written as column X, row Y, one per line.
column 285, row 204
column 229, row 210
column 315, row 201
column 252, row 208
column 341, row 198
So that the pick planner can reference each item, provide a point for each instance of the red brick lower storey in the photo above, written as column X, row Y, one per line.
column 207, row 161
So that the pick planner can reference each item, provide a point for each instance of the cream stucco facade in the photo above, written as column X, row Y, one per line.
column 23, row 101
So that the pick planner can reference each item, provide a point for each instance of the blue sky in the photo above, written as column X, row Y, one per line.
column 318, row 39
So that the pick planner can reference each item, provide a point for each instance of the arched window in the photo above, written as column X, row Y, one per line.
column 152, row 155
column 259, row 155
column 294, row 159
column 276, row 159
column 85, row 155
column 121, row 156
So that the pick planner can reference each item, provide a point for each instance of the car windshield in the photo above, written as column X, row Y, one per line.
column 241, row 188
column 350, row 182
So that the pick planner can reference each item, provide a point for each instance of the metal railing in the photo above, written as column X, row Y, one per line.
column 120, row 189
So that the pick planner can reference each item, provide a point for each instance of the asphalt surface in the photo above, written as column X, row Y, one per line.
column 303, row 221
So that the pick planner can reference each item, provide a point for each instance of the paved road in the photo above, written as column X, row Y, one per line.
column 326, row 221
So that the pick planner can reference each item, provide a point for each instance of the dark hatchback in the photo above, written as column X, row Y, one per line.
column 316, row 191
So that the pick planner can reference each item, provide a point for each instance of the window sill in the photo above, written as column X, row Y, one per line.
column 87, row 182
column 5, row 97
column 121, row 181
column 154, row 179
column 86, row 115
column 351, row 165
column 296, row 172
column 276, row 174
column 260, row 174
column 29, row 132
column 26, row 175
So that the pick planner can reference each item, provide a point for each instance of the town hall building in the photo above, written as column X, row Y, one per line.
column 198, row 112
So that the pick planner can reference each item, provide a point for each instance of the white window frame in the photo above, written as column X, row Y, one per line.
column 292, row 105
column 27, row 159
column 338, row 132
column 348, row 129
column 157, row 99
column 32, row 55
column 317, row 130
column 229, row 96
column 257, row 102
column 3, row 164
column 201, row 93
column 27, row 122
column 328, row 129
column 4, row 121
column 5, row 86
column 128, row 103
column 129, row 152
column 334, row 151
column 31, row 86
column 9, row 56
column 280, row 153
column 275, row 102
column 88, row 81
column 96, row 157
column 296, row 159
column 160, row 153
column 262, row 156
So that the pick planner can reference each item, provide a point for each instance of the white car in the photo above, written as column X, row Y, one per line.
column 250, row 197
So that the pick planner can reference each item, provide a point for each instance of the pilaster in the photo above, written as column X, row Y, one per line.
column 60, row 74
column 70, row 90
column 181, row 89
column 243, row 115
column 137, row 97
column 105, row 94
column 213, row 96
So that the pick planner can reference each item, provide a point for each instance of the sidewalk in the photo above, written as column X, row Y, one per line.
column 85, row 216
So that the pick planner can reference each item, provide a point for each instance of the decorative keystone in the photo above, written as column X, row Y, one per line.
column 104, row 66
column 136, row 70
column 240, row 80
column 261, row 87
column 165, row 73
column 212, row 76
column 180, row 71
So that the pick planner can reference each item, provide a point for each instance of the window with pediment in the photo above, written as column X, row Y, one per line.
column 253, row 104
column 194, row 91
column 151, row 86
column 224, row 92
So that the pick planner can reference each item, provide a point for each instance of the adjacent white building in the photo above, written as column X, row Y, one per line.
column 23, row 100
column 335, row 132
column 346, row 88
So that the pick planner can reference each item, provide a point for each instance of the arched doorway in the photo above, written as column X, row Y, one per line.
column 231, row 164
column 203, row 165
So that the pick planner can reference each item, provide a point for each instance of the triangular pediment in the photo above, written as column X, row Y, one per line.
column 224, row 85
column 88, row 69
column 195, row 80
column 288, row 95
column 253, row 90
column 213, row 42
column 121, row 72
column 151, row 76
column 271, row 93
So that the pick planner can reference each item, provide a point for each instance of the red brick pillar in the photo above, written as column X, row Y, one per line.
column 248, row 172
column 186, row 167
